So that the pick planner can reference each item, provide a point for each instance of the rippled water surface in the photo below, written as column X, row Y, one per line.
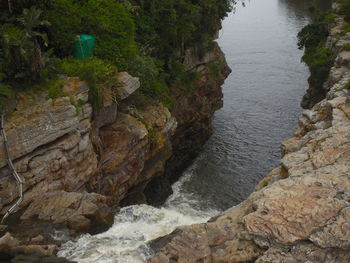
column 261, row 107
column 261, row 99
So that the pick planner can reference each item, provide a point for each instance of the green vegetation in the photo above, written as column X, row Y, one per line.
column 214, row 70
column 93, row 70
column 21, row 56
column 313, row 38
column 346, row 28
column 346, row 47
column 146, row 38
column 152, row 133
column 183, row 78
column 54, row 88
column 108, row 20
column 345, row 9
column 319, row 58
column 346, row 87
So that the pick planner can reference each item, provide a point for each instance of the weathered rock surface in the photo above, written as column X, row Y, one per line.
column 78, row 164
column 49, row 141
column 127, row 85
column 193, row 111
column 12, row 251
column 54, row 145
column 128, row 147
column 300, row 211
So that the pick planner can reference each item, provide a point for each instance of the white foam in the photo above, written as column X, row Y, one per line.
column 126, row 241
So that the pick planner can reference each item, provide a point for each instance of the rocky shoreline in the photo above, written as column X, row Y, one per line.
column 80, row 165
column 301, row 211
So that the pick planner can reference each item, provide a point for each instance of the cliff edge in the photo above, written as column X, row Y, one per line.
column 301, row 211
column 79, row 165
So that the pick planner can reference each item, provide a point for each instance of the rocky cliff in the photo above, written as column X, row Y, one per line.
column 193, row 112
column 301, row 211
column 79, row 165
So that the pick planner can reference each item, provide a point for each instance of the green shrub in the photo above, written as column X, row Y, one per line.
column 346, row 28
column 141, row 37
column 319, row 59
column 171, row 26
column 21, row 53
column 55, row 88
column 346, row 47
column 214, row 70
column 151, row 74
column 182, row 77
column 345, row 9
column 312, row 35
column 347, row 85
column 329, row 18
column 95, row 71
column 66, row 18
column 114, row 29
column 152, row 133
column 108, row 20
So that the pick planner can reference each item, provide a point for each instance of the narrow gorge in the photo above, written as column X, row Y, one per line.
column 141, row 180
column 300, row 211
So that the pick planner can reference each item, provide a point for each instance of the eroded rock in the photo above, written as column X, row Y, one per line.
column 300, row 211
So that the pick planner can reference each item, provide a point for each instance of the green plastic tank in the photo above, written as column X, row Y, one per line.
column 84, row 46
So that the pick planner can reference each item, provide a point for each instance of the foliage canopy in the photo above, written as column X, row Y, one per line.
column 145, row 37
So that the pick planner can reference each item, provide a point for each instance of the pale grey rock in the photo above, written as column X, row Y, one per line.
column 300, row 211
column 192, row 60
column 127, row 85
column 84, row 143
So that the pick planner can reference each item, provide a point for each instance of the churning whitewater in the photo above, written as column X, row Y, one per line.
column 126, row 241
column 261, row 106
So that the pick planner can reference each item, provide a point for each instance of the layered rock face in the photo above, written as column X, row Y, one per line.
column 193, row 111
column 335, row 42
column 301, row 211
column 77, row 168
column 80, row 164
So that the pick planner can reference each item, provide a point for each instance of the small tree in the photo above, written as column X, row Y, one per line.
column 20, row 44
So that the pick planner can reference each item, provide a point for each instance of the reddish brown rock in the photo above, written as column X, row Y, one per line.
column 300, row 211
column 193, row 111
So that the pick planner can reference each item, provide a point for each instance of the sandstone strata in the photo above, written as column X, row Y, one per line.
column 193, row 111
column 12, row 251
column 300, row 211
column 78, row 164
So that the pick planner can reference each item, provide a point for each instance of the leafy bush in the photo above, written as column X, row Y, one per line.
column 345, row 9
column 312, row 35
column 108, row 20
column 346, row 47
column 114, row 29
column 22, row 57
column 182, row 77
column 320, row 60
column 144, row 38
column 151, row 74
column 171, row 26
column 93, row 70
column 214, row 70
column 55, row 88
column 316, row 56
